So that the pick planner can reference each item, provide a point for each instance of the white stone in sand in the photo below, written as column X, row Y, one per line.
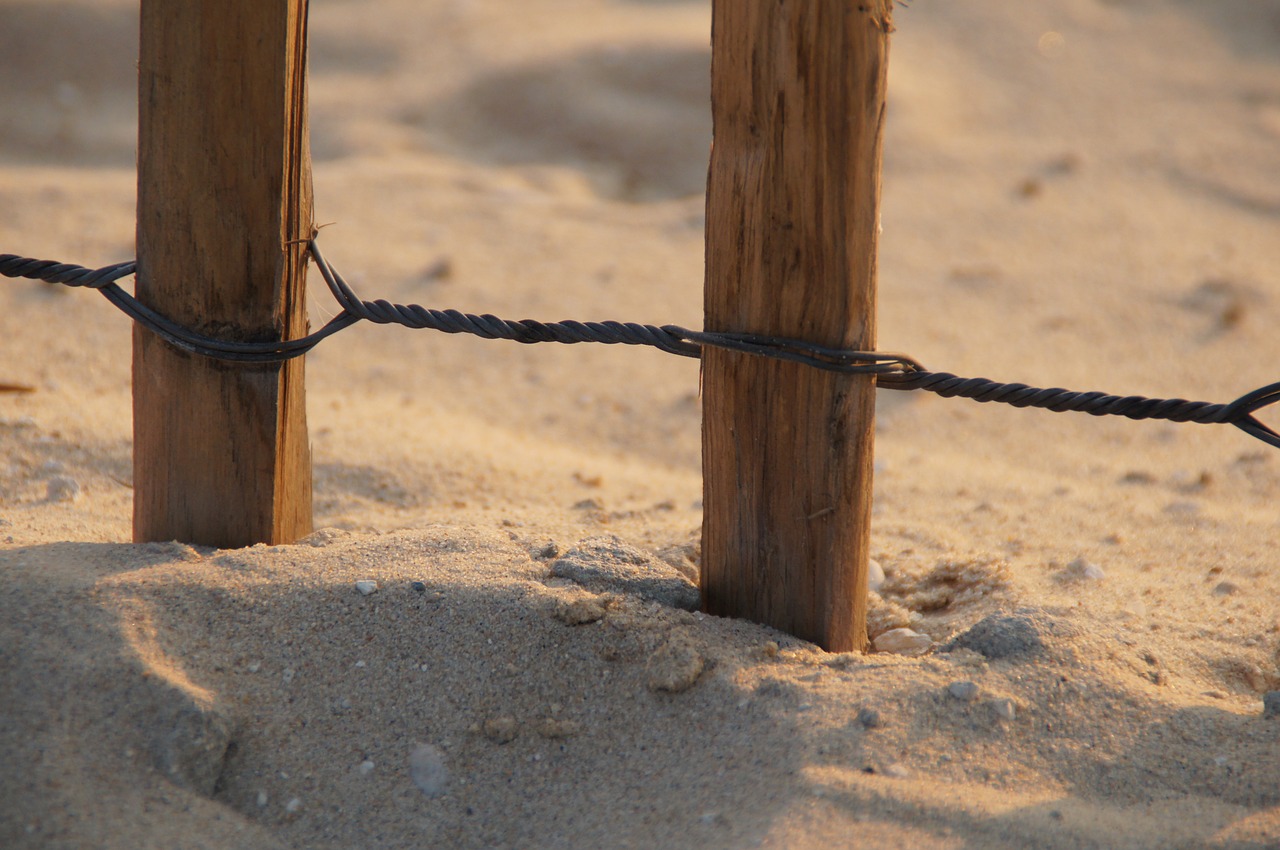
column 875, row 575
column 366, row 586
column 903, row 642
column 1004, row 709
column 428, row 770
column 963, row 691
column 1084, row 570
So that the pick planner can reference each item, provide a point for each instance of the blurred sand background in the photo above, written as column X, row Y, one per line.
column 1079, row 193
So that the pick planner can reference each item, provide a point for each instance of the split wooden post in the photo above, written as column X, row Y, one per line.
column 798, row 98
column 221, row 455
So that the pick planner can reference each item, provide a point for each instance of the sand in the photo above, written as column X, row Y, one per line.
column 1076, row 193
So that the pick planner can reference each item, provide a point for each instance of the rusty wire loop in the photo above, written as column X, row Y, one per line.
column 891, row 371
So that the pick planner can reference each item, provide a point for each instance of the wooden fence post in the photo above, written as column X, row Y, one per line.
column 798, row 90
column 221, row 455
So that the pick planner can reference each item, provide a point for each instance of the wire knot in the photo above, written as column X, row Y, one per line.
column 1240, row 413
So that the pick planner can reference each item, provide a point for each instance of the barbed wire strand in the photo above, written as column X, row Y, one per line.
column 892, row 371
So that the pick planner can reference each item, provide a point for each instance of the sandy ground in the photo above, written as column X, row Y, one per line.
column 1080, row 193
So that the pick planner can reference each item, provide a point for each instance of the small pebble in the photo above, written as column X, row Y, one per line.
column 903, row 642
column 895, row 770
column 62, row 488
column 366, row 767
column 1083, row 570
column 428, row 770
column 675, row 667
column 869, row 718
column 419, row 586
column 557, row 730
column 1004, row 709
column 1226, row 588
column 1271, row 705
column 254, row 666
column 875, row 575
column 288, row 674
column 366, row 586
column 500, row 730
column 963, row 691
column 262, row 799
column 293, row 805
column 580, row 611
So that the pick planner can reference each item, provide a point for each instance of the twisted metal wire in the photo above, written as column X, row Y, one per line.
column 891, row 371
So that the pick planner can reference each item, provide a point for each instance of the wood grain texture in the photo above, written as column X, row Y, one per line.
column 798, row 95
column 221, row 454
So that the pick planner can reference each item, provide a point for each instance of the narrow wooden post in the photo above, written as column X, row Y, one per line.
column 221, row 455
column 798, row 90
